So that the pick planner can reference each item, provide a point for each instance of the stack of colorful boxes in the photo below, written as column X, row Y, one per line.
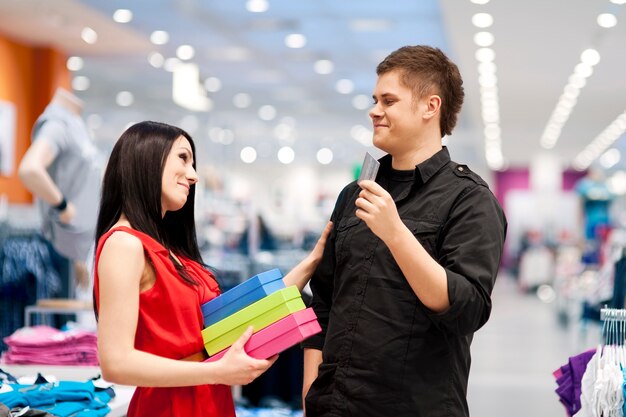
column 277, row 314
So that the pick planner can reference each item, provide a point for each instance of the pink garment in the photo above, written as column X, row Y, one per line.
column 49, row 346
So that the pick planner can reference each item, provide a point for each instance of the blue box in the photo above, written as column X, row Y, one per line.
column 241, row 296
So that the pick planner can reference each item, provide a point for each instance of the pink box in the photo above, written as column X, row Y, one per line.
column 279, row 336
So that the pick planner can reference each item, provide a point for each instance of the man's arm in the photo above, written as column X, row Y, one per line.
column 458, row 284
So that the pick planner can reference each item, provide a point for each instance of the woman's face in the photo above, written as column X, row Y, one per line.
column 178, row 176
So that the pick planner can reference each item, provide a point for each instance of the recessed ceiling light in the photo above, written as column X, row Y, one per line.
column 607, row 20
column 618, row 1
column 159, row 37
column 286, row 155
column 324, row 66
column 124, row 98
column 267, row 112
column 242, row 100
column 483, row 39
column 344, row 86
column 156, row 59
column 75, row 63
column 123, row 16
column 324, row 156
column 295, row 40
column 480, row 1
column 248, row 154
column 257, row 6
column 590, row 57
column 185, row 52
column 80, row 83
column 89, row 35
column 213, row 84
column 482, row 20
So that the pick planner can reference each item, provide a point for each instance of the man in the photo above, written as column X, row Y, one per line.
column 409, row 267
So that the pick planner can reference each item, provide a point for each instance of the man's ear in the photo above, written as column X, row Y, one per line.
column 433, row 104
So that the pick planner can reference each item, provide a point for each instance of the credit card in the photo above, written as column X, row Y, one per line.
column 369, row 168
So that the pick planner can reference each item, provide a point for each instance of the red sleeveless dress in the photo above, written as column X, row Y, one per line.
column 169, row 325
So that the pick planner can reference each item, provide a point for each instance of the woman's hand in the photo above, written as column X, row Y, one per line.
column 237, row 368
column 301, row 273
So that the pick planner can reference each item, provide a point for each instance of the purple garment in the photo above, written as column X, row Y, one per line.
column 568, row 378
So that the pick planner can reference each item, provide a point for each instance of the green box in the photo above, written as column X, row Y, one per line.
column 259, row 315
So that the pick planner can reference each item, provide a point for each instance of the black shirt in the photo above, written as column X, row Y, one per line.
column 384, row 352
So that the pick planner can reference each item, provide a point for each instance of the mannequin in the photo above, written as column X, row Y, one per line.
column 62, row 169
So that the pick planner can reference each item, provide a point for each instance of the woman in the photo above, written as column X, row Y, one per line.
column 150, row 281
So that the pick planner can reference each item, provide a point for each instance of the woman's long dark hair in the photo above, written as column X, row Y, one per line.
column 132, row 185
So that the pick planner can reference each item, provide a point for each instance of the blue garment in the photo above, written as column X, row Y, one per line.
column 63, row 399
column 26, row 275
column 596, row 203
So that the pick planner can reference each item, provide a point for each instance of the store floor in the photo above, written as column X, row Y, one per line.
column 515, row 353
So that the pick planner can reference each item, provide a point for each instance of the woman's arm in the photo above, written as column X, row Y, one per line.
column 301, row 273
column 120, row 268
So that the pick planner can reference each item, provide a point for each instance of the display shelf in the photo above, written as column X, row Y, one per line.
column 118, row 405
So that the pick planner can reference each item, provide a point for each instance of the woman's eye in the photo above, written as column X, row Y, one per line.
column 183, row 156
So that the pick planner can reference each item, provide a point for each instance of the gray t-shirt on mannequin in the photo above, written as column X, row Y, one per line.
column 76, row 170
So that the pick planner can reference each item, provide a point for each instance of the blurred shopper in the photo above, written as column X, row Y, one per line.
column 150, row 281
column 406, row 277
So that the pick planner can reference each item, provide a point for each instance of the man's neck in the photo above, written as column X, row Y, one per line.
column 416, row 156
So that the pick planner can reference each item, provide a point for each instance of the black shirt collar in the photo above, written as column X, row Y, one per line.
column 425, row 170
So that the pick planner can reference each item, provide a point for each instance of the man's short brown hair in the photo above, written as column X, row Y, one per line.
column 427, row 70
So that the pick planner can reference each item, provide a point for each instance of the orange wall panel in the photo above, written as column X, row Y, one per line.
column 28, row 78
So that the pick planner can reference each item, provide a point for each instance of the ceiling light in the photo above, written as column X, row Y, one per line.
column 267, row 112
column 610, row 158
column 483, row 39
column 480, row 1
column 361, row 102
column 485, row 55
column 159, row 37
column 324, row 66
column 242, row 100
column 248, row 154
column 156, row 59
column 361, row 134
column 482, row 20
column 124, row 98
column 618, row 1
column 324, row 156
column 590, row 57
column 295, row 40
column 74, row 63
column 213, row 84
column 89, row 35
column 257, row 6
column 607, row 20
column 284, row 131
column 583, row 70
column 286, row 155
column 602, row 142
column 170, row 64
column 80, row 83
column 123, row 16
column 185, row 52
column 186, row 90
column 344, row 86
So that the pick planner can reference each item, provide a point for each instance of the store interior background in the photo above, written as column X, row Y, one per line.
column 276, row 95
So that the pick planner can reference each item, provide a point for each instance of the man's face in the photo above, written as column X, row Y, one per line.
column 395, row 115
